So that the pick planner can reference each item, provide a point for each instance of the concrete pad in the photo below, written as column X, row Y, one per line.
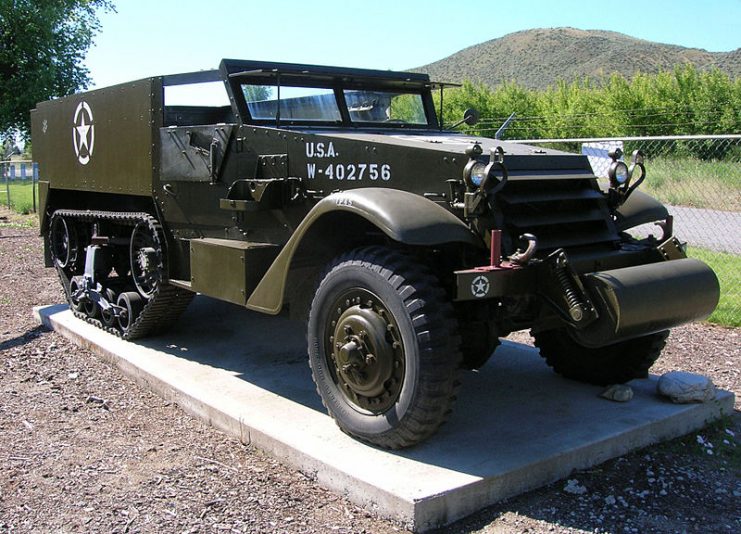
column 517, row 426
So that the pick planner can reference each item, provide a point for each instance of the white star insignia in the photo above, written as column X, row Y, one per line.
column 480, row 286
column 82, row 131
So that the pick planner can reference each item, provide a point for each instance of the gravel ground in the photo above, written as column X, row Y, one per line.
column 84, row 449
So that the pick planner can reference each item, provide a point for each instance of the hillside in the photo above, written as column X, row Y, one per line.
column 538, row 58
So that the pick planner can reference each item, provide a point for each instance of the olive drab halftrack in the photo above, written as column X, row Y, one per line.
column 338, row 195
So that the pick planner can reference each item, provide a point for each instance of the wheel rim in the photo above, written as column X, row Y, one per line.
column 365, row 352
column 91, row 309
column 63, row 243
column 146, row 259
column 107, row 316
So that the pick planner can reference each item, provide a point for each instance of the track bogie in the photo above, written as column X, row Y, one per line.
column 121, row 285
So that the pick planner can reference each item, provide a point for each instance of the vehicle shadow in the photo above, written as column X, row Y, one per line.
column 510, row 411
column 268, row 352
column 23, row 339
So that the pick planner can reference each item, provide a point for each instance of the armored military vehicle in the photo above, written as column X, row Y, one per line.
column 338, row 195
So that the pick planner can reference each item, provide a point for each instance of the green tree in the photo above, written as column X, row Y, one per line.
column 407, row 108
column 43, row 44
column 257, row 93
column 680, row 101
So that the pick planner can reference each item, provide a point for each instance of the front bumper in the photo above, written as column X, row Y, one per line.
column 602, row 307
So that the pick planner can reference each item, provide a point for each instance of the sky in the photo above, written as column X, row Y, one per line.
column 153, row 37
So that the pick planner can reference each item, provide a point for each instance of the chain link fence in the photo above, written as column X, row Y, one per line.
column 699, row 179
column 19, row 185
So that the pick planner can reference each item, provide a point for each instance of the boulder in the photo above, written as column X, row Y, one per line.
column 683, row 387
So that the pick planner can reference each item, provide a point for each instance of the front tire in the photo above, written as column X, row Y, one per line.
column 383, row 347
column 612, row 364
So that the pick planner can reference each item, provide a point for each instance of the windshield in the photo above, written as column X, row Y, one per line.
column 379, row 107
column 385, row 106
column 296, row 103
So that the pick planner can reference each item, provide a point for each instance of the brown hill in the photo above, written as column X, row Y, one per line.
column 538, row 58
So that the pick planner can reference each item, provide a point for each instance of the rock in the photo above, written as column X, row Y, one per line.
column 573, row 487
column 618, row 393
column 682, row 387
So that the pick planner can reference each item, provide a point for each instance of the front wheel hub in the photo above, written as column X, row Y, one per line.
column 366, row 352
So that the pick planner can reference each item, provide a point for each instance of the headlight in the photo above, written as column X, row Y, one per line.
column 478, row 173
column 618, row 173
column 474, row 173
column 481, row 175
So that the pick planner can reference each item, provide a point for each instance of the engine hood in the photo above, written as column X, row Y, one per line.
column 450, row 142
column 517, row 156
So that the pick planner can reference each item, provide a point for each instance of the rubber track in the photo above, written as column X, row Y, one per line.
column 166, row 304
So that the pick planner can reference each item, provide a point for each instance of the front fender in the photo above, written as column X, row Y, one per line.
column 640, row 208
column 404, row 217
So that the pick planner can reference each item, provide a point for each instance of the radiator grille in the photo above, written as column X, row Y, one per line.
column 559, row 212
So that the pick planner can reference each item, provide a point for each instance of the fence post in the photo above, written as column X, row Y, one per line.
column 10, row 176
column 34, row 179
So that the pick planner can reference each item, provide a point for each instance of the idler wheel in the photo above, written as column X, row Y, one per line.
column 63, row 242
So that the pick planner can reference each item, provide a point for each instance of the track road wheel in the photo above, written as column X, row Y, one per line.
column 383, row 347
column 91, row 309
column 612, row 364
column 82, row 304
column 74, row 302
column 132, row 304
column 107, row 316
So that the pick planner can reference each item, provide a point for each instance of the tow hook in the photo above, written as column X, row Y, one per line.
column 520, row 257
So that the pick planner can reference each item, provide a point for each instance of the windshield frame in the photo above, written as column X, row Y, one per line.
column 337, row 84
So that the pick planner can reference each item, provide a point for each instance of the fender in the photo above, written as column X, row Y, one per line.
column 640, row 208
column 404, row 217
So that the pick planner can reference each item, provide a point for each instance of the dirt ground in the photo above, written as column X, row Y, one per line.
column 84, row 449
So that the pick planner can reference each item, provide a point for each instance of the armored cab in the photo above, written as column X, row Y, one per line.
column 337, row 195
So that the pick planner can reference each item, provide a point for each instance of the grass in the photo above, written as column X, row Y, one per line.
column 684, row 181
column 728, row 269
column 678, row 181
column 720, row 437
column 21, row 196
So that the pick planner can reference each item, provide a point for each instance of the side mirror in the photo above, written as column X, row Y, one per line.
column 471, row 116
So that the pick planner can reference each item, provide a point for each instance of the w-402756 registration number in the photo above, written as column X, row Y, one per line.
column 351, row 171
